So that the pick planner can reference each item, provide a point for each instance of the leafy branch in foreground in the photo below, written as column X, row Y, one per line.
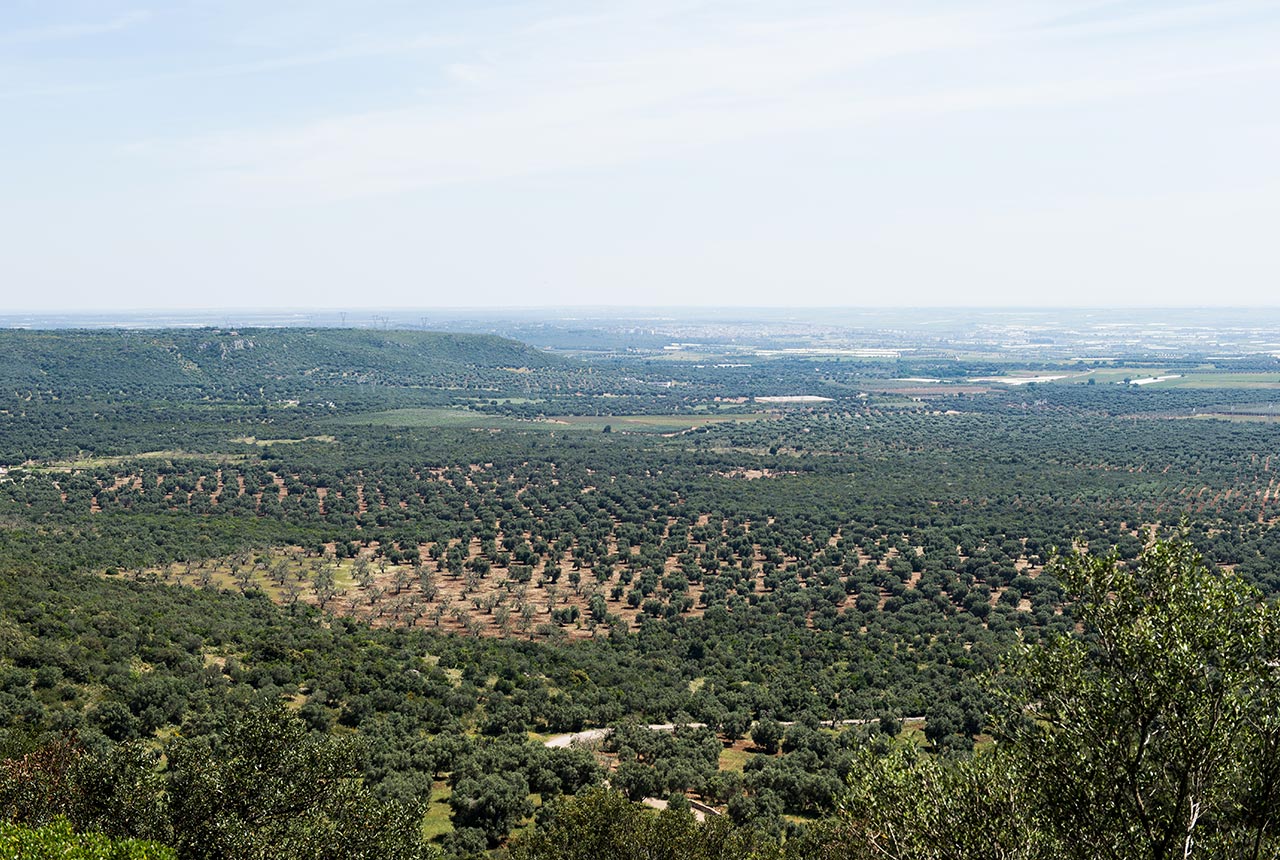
column 1157, row 733
column 58, row 839
column 1154, row 732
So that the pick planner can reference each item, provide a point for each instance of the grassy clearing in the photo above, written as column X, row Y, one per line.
column 262, row 443
column 79, row 463
column 439, row 416
column 1227, row 380
column 734, row 759
column 913, row 731
column 221, row 573
column 437, row 822
column 101, row 462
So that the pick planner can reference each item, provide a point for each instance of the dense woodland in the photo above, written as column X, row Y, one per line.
column 349, row 583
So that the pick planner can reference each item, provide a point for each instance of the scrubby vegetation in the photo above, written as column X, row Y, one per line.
column 351, row 584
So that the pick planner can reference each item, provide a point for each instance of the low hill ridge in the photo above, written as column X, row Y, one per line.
column 226, row 361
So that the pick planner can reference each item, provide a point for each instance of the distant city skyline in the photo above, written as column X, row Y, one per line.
column 700, row 153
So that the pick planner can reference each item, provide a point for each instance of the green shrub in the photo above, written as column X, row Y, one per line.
column 58, row 840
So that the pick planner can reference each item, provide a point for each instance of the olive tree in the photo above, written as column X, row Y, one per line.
column 1151, row 732
column 1156, row 733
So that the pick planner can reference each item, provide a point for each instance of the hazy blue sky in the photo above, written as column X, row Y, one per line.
column 267, row 153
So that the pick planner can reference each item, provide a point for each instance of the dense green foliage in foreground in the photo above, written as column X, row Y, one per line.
column 387, row 602
column 265, row 786
column 1155, row 735
column 58, row 841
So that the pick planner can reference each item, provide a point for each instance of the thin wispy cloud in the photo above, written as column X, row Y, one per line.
column 1128, row 18
column 68, row 30
column 596, row 95
column 603, row 92
column 348, row 52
